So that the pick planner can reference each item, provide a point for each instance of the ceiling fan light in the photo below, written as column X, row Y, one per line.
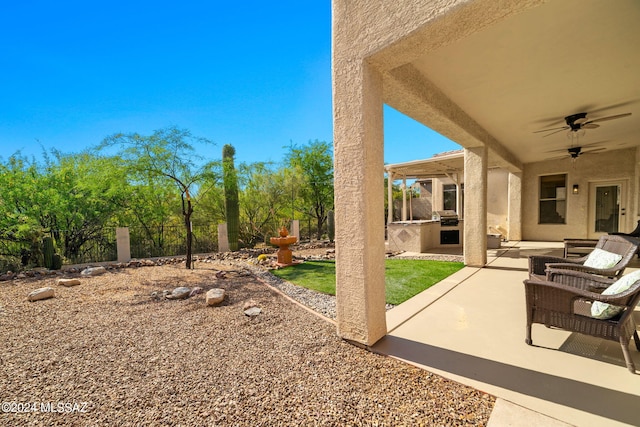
column 578, row 133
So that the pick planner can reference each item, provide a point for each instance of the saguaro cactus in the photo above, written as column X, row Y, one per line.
column 331, row 225
column 52, row 260
column 57, row 262
column 48, row 252
column 232, row 208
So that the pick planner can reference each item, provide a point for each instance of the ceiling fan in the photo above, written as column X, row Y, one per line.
column 579, row 121
column 577, row 150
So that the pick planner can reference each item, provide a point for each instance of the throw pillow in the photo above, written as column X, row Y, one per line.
column 602, row 310
column 599, row 258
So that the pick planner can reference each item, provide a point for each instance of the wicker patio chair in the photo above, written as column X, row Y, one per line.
column 635, row 233
column 622, row 245
column 566, row 301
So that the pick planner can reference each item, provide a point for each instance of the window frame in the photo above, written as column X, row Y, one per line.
column 552, row 199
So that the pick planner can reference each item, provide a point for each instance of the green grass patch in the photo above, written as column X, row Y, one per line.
column 404, row 278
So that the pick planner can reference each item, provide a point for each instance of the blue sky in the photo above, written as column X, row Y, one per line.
column 256, row 75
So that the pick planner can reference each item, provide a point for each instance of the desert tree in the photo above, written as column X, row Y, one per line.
column 314, row 162
column 167, row 155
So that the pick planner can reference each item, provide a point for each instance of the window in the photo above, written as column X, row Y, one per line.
column 449, row 197
column 553, row 199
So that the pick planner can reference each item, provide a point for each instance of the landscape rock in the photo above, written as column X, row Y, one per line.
column 215, row 296
column 253, row 311
column 195, row 291
column 42, row 293
column 179, row 293
column 249, row 304
column 68, row 282
column 8, row 276
column 93, row 271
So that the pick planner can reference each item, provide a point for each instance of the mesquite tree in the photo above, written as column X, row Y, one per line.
column 232, row 208
column 314, row 162
column 168, row 156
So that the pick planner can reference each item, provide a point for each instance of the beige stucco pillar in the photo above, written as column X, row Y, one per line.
column 359, row 201
column 514, row 207
column 389, row 197
column 404, row 199
column 123, row 245
column 475, row 206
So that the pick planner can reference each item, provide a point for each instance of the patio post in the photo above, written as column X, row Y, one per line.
column 514, row 207
column 358, row 160
column 404, row 198
column 389, row 197
column 475, row 206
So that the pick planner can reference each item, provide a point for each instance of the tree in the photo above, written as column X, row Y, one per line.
column 167, row 155
column 83, row 193
column 264, row 201
column 19, row 228
column 73, row 197
column 231, row 207
column 314, row 162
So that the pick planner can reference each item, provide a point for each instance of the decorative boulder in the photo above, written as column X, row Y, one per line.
column 253, row 311
column 251, row 308
column 196, row 291
column 42, row 293
column 180, row 293
column 68, row 282
column 215, row 296
column 93, row 271
column 251, row 303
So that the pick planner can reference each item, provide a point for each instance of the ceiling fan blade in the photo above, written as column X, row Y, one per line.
column 593, row 150
column 603, row 119
column 552, row 133
column 547, row 130
column 589, row 125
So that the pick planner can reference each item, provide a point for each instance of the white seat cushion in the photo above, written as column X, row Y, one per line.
column 602, row 310
column 599, row 258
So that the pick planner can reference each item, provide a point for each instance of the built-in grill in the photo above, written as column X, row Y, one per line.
column 448, row 218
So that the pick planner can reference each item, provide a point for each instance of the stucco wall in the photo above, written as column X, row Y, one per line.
column 497, row 199
column 590, row 167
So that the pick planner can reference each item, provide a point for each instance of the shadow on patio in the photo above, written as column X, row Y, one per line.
column 471, row 328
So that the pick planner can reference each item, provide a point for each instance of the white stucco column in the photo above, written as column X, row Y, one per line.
column 123, row 245
column 514, row 207
column 475, row 206
column 389, row 197
column 358, row 160
column 404, row 199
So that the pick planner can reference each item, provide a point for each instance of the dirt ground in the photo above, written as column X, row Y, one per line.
column 106, row 353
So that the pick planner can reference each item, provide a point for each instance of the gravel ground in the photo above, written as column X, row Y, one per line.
column 115, row 356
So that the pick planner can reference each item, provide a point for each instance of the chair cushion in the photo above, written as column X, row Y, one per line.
column 602, row 310
column 600, row 258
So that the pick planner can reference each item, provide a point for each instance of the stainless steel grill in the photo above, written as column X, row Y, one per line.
column 448, row 218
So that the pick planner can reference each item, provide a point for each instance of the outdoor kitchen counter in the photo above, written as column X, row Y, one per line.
column 421, row 235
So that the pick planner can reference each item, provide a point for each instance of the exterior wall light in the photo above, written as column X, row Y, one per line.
column 576, row 189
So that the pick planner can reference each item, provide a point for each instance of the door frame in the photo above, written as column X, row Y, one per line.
column 623, row 203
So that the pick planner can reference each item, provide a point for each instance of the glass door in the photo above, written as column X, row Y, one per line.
column 607, row 210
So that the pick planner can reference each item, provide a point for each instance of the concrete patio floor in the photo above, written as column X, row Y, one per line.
column 470, row 328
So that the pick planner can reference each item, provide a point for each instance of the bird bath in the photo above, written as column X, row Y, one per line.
column 285, row 256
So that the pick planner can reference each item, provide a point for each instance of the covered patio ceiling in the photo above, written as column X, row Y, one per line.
column 505, row 81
